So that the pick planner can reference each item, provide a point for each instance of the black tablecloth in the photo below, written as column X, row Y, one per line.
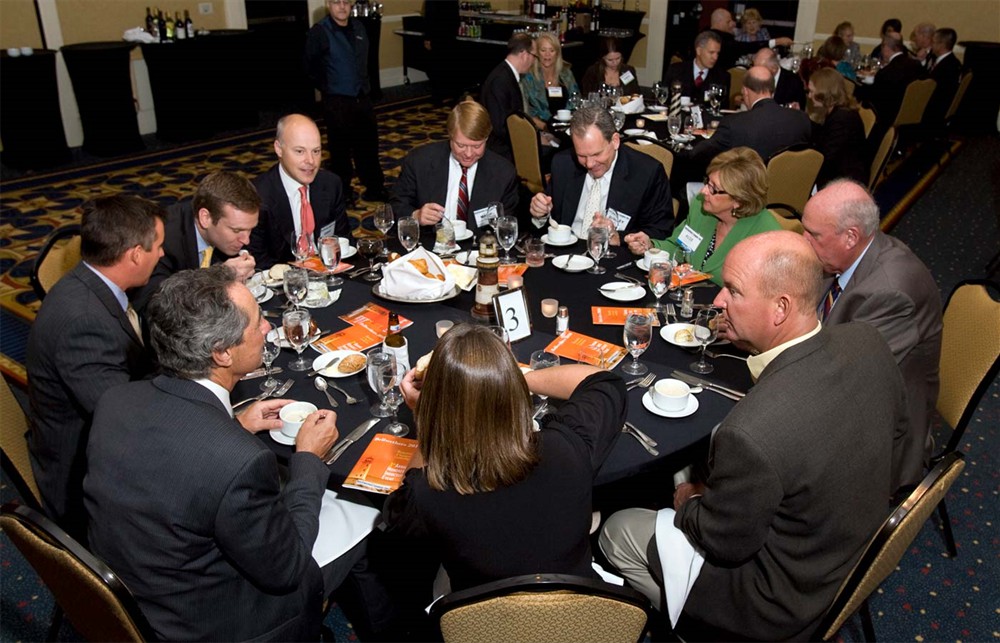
column 30, row 121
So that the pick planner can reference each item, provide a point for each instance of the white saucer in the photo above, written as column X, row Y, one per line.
column 350, row 252
column 658, row 108
column 682, row 138
column 281, row 438
column 692, row 406
column 267, row 296
column 334, row 296
column 320, row 363
column 635, row 131
column 463, row 237
column 668, row 332
column 640, row 263
column 573, row 263
column 634, row 293
column 563, row 120
column 467, row 257
column 572, row 239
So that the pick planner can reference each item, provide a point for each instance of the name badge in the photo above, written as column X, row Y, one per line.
column 689, row 239
column 627, row 77
column 482, row 217
column 622, row 219
column 555, row 92
column 328, row 230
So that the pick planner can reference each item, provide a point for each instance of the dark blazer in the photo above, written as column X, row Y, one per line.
column 797, row 486
column 80, row 345
column 790, row 89
column 767, row 128
column 893, row 291
column 886, row 93
column 270, row 241
column 684, row 72
column 639, row 188
column 947, row 74
column 424, row 179
column 501, row 96
column 188, row 509
column 841, row 140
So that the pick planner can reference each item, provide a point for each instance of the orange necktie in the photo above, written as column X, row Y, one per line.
column 306, row 212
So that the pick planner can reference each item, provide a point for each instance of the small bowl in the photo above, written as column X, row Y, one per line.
column 671, row 395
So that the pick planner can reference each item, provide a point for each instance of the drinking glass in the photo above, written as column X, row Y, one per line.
column 637, row 334
column 272, row 346
column 706, row 329
column 303, row 245
column 597, row 245
column 674, row 125
column 682, row 266
column 611, row 222
column 298, row 327
column 662, row 96
column 540, row 360
column 389, row 376
column 329, row 252
column 715, row 97
column 383, row 220
column 408, row 230
column 507, row 235
column 659, row 277
column 370, row 248
column 619, row 119
column 573, row 103
column 494, row 210
column 377, row 361
column 296, row 285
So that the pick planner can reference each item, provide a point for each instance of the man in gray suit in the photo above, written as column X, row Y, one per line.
column 86, row 340
column 799, row 470
column 876, row 279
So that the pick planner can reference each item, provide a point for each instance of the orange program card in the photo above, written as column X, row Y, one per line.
column 381, row 467
column 354, row 338
column 373, row 317
column 615, row 315
column 316, row 265
column 507, row 270
column 590, row 350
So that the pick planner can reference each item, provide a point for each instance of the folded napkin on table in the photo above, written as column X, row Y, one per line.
column 634, row 106
column 417, row 275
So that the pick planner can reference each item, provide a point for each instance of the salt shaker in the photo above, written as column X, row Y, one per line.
column 562, row 320
column 687, row 304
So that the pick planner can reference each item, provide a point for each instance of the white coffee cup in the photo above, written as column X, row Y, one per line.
column 671, row 395
column 560, row 233
column 345, row 243
column 461, row 227
column 685, row 101
column 652, row 255
column 564, row 114
column 293, row 415
column 13, row 52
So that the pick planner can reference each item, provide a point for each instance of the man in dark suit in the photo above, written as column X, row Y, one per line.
column 886, row 92
column 704, row 66
column 881, row 282
column 946, row 70
column 430, row 184
column 788, row 88
column 85, row 340
column 501, row 92
column 600, row 176
column 723, row 25
column 799, row 470
column 296, row 192
column 210, row 541
column 211, row 228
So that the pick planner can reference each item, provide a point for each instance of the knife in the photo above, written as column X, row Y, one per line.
column 645, row 438
column 261, row 372
column 711, row 386
column 351, row 438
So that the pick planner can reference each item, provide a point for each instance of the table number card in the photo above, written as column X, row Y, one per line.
column 512, row 313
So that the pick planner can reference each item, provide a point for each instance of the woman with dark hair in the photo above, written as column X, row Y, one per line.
column 892, row 26
column 611, row 70
column 838, row 131
column 494, row 497
column 831, row 55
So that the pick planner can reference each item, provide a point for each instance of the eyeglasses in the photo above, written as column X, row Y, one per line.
column 712, row 189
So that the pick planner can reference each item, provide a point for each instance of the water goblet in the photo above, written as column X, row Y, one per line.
column 619, row 119
column 389, row 376
column 674, row 125
column 296, row 285
column 408, row 230
column 298, row 327
column 659, row 277
column 377, row 361
column 682, row 266
column 538, row 361
column 506, row 228
column 370, row 248
column 303, row 245
column 494, row 210
column 611, row 223
column 637, row 334
column 272, row 346
column 383, row 220
column 706, row 329
column 329, row 253
column 597, row 245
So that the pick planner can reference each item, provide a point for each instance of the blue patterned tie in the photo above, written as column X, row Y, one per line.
column 831, row 297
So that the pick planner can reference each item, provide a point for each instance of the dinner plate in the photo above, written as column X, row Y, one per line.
column 267, row 296
column 463, row 237
column 668, row 332
column 635, row 292
column 682, row 138
column 467, row 257
column 572, row 239
column 319, row 364
column 692, row 406
column 347, row 254
column 635, row 131
column 281, row 438
column 573, row 263
column 284, row 342
column 377, row 291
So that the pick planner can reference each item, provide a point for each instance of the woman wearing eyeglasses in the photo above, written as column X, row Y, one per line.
column 729, row 208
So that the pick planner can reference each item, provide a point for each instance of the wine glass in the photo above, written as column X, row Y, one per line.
column 296, row 285
column 303, row 245
column 383, row 220
column 611, row 223
column 637, row 334
column 370, row 248
column 619, row 119
column 377, row 361
column 494, row 210
column 389, row 376
column 715, row 97
column 682, row 266
column 298, row 327
column 540, row 360
column 706, row 329
column 507, row 235
column 329, row 252
column 674, row 125
column 597, row 245
column 272, row 346
column 408, row 230
column 659, row 278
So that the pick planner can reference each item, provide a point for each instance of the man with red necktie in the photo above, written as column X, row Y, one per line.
column 697, row 75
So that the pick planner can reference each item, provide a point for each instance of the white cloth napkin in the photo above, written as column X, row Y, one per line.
column 681, row 563
column 634, row 106
column 402, row 279
column 137, row 34
column 343, row 521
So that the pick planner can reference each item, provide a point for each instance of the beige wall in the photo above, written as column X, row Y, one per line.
column 90, row 20
column 972, row 19
column 18, row 24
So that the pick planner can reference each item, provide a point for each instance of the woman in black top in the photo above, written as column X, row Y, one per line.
column 838, row 131
column 611, row 70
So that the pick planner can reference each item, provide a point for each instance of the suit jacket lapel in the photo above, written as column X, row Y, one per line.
column 189, row 239
column 861, row 273
column 107, row 299
column 617, row 191
column 281, row 210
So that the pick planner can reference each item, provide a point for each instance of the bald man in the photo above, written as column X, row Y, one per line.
column 881, row 282
column 800, row 469
column 292, row 188
column 788, row 88
column 722, row 23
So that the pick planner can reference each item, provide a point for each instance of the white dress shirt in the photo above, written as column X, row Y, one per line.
column 294, row 197
column 218, row 391
column 454, row 178
column 605, row 182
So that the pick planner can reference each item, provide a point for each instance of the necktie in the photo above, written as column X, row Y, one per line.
column 206, row 257
column 930, row 63
column 831, row 297
column 306, row 212
column 699, row 80
column 463, row 196
column 592, row 207
column 133, row 318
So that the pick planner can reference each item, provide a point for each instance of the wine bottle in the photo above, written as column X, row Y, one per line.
column 188, row 25
column 150, row 29
column 595, row 18
column 394, row 335
column 170, row 27
column 161, row 26
column 180, row 32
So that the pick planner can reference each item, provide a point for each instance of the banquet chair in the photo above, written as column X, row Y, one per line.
column 956, row 102
column 543, row 607
column 881, row 159
column 94, row 599
column 658, row 152
column 868, row 118
column 787, row 217
column 14, row 447
column 59, row 255
column 791, row 175
column 736, row 76
column 915, row 98
column 524, row 140
column 886, row 549
column 970, row 361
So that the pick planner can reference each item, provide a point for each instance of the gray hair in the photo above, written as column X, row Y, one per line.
column 861, row 212
column 584, row 117
column 191, row 316
column 702, row 39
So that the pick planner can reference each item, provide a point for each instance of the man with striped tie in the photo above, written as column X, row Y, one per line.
column 875, row 278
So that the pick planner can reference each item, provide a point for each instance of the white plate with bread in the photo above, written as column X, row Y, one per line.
column 680, row 334
column 348, row 363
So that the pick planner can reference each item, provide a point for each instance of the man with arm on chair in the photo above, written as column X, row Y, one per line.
column 501, row 92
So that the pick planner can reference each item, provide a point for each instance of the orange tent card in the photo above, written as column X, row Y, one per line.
column 615, row 315
column 694, row 277
column 353, row 338
column 506, row 270
column 373, row 317
column 588, row 350
column 316, row 265
column 381, row 467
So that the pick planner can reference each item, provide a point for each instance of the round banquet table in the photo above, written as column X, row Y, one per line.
column 578, row 291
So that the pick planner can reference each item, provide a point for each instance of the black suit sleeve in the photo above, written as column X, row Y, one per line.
column 259, row 246
column 657, row 219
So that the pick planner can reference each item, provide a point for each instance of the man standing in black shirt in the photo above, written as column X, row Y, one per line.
column 337, row 62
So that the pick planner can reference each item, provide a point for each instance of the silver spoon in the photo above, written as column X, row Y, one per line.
column 321, row 386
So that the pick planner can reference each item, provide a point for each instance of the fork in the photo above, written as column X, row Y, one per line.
column 646, row 382
column 620, row 275
column 350, row 399
column 714, row 355
column 256, row 398
column 628, row 430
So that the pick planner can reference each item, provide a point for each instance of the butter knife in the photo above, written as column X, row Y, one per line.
column 732, row 394
column 351, row 438
column 261, row 372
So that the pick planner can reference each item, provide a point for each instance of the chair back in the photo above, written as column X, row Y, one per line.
column 882, row 157
column 889, row 543
column 790, row 221
column 14, row 443
column 543, row 607
column 791, row 175
column 970, row 353
column 736, row 76
column 915, row 99
column 59, row 255
column 524, row 140
column 867, row 118
column 849, row 86
column 963, row 86
column 96, row 601
column 658, row 152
